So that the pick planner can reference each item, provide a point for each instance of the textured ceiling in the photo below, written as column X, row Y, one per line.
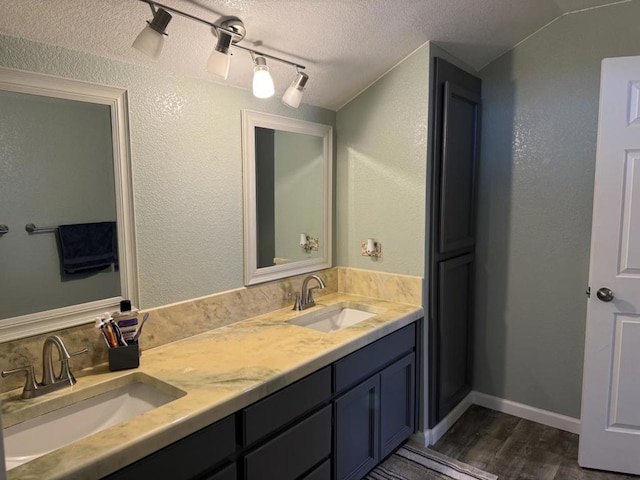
column 345, row 44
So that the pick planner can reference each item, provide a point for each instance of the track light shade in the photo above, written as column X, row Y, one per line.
column 293, row 96
column 262, row 81
column 220, row 59
column 151, row 38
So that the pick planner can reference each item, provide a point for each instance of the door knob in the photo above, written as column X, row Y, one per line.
column 605, row 294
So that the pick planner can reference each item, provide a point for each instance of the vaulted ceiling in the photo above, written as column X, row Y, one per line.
column 344, row 44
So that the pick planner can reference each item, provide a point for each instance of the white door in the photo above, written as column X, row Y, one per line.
column 610, row 434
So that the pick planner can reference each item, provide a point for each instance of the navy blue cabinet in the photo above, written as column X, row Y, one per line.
column 376, row 416
column 337, row 423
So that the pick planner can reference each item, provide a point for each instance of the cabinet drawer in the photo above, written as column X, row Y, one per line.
column 372, row 358
column 228, row 473
column 282, row 407
column 188, row 457
column 294, row 452
column 323, row 472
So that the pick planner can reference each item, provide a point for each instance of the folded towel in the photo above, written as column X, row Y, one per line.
column 86, row 247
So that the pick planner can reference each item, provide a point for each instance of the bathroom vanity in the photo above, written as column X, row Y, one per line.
column 262, row 398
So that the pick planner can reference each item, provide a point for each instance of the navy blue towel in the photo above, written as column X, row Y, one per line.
column 88, row 246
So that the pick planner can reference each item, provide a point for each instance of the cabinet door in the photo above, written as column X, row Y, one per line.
column 356, row 430
column 454, row 334
column 397, row 402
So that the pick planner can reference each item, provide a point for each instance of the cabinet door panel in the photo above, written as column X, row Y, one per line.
column 454, row 332
column 459, row 160
column 294, row 452
column 356, row 430
column 397, row 401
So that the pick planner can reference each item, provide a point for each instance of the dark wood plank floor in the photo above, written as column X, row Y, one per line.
column 516, row 449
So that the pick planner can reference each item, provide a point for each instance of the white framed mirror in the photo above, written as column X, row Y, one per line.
column 287, row 187
column 65, row 163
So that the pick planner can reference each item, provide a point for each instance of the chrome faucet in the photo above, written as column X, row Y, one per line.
column 51, row 380
column 305, row 299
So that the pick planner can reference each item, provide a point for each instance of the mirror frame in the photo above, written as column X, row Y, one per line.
column 115, row 98
column 250, row 120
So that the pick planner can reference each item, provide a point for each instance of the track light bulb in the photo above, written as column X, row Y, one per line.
column 220, row 59
column 151, row 38
column 293, row 96
column 262, row 81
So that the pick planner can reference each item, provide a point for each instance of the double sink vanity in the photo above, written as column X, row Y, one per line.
column 319, row 394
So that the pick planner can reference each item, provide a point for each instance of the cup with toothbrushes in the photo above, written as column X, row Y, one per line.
column 121, row 333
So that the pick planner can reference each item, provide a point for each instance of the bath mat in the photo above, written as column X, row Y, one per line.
column 413, row 463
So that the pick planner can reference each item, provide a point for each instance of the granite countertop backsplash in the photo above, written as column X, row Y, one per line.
column 219, row 371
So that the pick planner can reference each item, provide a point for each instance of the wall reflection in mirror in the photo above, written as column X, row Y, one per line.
column 289, row 196
column 57, row 165
column 63, row 189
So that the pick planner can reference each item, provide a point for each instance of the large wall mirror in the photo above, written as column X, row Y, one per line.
column 287, row 196
column 68, row 253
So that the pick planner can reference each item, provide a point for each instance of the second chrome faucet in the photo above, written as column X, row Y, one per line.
column 305, row 299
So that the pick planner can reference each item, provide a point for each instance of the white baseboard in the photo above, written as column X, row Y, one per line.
column 433, row 435
column 545, row 417
column 527, row 412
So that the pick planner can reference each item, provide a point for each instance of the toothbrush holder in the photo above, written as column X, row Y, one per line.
column 123, row 358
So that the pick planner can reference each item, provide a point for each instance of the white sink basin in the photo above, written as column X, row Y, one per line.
column 336, row 317
column 55, row 429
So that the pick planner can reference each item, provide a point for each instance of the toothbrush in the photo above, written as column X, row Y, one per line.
column 118, row 333
column 101, row 326
column 137, row 335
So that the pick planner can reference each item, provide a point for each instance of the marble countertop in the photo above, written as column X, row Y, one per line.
column 220, row 372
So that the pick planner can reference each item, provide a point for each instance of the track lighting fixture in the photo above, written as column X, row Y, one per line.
column 230, row 31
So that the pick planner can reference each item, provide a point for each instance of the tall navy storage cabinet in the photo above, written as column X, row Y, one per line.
column 452, row 205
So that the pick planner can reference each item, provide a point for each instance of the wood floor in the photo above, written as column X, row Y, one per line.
column 516, row 449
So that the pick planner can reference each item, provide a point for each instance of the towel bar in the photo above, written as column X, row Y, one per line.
column 31, row 228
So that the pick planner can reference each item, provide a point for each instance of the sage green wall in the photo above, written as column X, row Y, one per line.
column 540, row 113
column 381, row 170
column 187, row 166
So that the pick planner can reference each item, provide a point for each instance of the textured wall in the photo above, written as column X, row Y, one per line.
column 187, row 169
column 540, row 105
column 381, row 170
